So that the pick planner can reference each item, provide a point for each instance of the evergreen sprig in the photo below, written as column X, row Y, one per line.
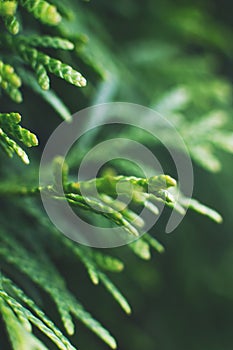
column 9, row 127
column 29, row 315
column 12, row 24
column 39, row 59
column 10, row 81
column 7, row 12
column 42, row 10
column 41, row 62
column 45, row 41
column 48, row 278
column 41, row 270
column 140, row 191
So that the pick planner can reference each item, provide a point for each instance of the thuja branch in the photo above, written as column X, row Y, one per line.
column 100, row 196
column 40, row 62
column 107, row 185
column 11, row 132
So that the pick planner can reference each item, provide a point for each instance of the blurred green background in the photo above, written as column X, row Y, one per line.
column 176, row 57
column 184, row 298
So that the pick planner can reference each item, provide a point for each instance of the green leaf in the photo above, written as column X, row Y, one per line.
column 46, row 276
column 19, row 337
column 42, row 10
column 9, row 124
column 60, row 338
column 115, row 293
column 107, row 262
column 202, row 209
column 141, row 248
column 153, row 243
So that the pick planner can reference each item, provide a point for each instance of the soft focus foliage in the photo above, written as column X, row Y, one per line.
column 174, row 57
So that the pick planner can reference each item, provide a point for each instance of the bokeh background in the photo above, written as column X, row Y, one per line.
column 184, row 298
column 175, row 57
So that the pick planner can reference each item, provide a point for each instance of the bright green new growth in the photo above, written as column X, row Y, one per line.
column 45, row 41
column 41, row 62
column 8, row 8
column 7, row 12
column 62, row 70
column 12, row 24
column 43, row 272
column 42, row 10
column 10, row 81
column 141, row 192
column 9, row 126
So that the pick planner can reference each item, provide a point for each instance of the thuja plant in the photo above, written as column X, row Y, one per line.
column 29, row 58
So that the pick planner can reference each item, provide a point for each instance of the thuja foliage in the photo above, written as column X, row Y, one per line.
column 10, row 126
column 31, row 60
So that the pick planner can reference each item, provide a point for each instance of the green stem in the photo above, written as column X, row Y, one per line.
column 6, row 190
